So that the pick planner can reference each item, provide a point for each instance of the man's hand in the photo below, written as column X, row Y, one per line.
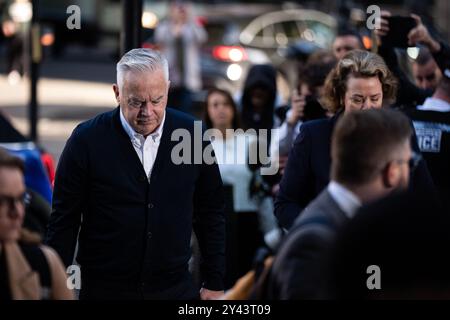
column 384, row 25
column 206, row 294
column 420, row 34
column 297, row 108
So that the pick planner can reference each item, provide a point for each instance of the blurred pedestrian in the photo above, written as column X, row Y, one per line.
column 180, row 38
column 345, row 41
column 432, row 124
column 14, row 54
column 244, row 234
column 425, row 71
column 410, row 95
column 28, row 270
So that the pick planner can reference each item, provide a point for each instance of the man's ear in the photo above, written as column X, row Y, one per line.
column 168, row 86
column 390, row 175
column 116, row 92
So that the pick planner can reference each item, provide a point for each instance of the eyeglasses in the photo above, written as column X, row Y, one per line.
column 24, row 199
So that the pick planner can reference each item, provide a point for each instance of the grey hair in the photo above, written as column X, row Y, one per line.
column 141, row 60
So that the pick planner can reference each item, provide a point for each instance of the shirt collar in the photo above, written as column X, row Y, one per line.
column 433, row 104
column 137, row 137
column 345, row 199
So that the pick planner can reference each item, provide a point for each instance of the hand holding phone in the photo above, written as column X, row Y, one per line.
column 399, row 28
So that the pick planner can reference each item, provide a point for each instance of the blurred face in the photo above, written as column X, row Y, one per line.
column 220, row 111
column 363, row 93
column 178, row 12
column 400, row 174
column 304, row 90
column 143, row 99
column 259, row 98
column 427, row 76
column 343, row 45
column 12, row 208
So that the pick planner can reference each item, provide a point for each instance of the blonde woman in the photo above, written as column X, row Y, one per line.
column 361, row 80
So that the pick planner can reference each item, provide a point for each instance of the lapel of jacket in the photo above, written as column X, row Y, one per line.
column 23, row 281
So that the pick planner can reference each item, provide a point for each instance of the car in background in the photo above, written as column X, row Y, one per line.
column 284, row 38
column 241, row 36
column 289, row 36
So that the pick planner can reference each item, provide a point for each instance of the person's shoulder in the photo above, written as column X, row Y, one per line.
column 318, row 125
column 181, row 119
column 430, row 115
column 319, row 211
column 91, row 126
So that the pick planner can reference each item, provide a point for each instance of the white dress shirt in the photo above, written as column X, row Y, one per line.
column 146, row 148
column 231, row 155
column 345, row 199
column 433, row 104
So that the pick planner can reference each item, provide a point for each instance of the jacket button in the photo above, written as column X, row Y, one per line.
column 142, row 178
column 150, row 206
column 149, row 235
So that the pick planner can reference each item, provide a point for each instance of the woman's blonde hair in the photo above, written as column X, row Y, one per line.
column 359, row 64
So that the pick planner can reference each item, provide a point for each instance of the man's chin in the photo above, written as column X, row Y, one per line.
column 146, row 129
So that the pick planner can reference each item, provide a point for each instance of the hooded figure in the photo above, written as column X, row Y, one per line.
column 258, row 98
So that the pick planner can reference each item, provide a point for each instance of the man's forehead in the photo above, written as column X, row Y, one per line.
column 346, row 39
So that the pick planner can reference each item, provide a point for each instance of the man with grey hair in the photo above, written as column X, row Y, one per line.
column 132, row 206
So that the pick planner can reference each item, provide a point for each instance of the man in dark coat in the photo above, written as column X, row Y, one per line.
column 121, row 186
column 372, row 157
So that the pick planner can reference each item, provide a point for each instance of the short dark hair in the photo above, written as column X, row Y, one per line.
column 365, row 139
column 9, row 161
column 316, row 69
column 424, row 57
column 345, row 31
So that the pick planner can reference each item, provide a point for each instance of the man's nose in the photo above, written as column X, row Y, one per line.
column 367, row 104
column 146, row 108
column 426, row 84
column 17, row 210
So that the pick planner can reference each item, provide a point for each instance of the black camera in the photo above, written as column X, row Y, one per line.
column 313, row 109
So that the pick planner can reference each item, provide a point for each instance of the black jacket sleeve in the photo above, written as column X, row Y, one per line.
column 298, row 268
column 209, row 225
column 68, row 198
column 408, row 95
column 295, row 186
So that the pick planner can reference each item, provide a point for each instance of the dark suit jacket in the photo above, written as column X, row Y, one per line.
column 135, row 235
column 308, row 170
column 299, row 267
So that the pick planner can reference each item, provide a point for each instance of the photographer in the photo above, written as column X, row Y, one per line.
column 409, row 95
column 304, row 100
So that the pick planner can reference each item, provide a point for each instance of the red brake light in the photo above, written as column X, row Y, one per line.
column 229, row 53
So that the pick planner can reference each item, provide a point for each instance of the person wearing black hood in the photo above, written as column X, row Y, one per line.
column 258, row 97
column 258, row 102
